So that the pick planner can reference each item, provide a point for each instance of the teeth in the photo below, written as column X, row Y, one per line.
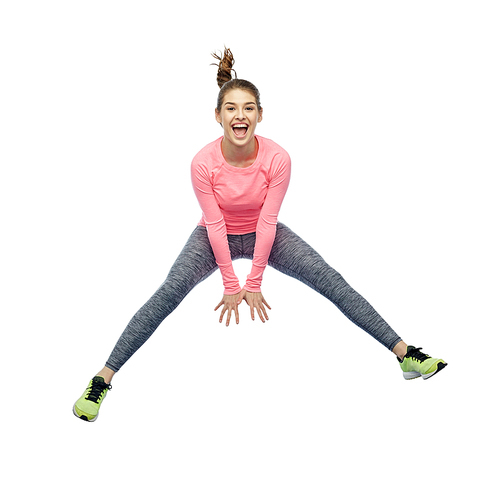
column 240, row 125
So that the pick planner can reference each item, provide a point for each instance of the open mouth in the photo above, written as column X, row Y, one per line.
column 240, row 130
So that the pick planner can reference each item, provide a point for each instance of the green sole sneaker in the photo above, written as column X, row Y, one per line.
column 417, row 364
column 87, row 407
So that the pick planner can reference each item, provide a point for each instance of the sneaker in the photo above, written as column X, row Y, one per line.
column 416, row 364
column 87, row 407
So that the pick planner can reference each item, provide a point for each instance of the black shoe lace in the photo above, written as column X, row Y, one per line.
column 96, row 390
column 416, row 354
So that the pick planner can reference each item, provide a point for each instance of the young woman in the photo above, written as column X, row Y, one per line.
column 240, row 181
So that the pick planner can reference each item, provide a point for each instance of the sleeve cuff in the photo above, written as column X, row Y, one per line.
column 232, row 291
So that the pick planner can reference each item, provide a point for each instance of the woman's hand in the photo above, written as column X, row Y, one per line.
column 230, row 303
column 256, row 301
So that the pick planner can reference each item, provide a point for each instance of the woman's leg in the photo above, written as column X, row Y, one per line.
column 294, row 257
column 195, row 263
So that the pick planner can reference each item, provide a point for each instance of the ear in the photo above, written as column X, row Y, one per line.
column 218, row 117
column 260, row 115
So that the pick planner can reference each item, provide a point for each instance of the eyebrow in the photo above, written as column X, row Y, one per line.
column 235, row 104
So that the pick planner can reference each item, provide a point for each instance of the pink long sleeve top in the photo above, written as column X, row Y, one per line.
column 237, row 200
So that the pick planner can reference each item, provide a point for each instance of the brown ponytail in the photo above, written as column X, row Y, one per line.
column 225, row 64
column 227, row 83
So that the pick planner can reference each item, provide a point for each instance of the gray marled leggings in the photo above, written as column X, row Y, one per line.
column 289, row 254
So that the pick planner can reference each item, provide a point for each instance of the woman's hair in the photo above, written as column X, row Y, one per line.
column 226, row 82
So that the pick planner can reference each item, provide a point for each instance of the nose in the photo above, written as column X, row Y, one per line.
column 241, row 114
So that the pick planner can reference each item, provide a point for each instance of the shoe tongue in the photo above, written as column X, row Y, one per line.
column 98, row 379
column 408, row 349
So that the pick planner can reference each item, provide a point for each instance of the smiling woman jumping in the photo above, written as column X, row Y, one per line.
column 240, row 180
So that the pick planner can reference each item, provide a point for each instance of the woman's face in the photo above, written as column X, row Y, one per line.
column 239, row 116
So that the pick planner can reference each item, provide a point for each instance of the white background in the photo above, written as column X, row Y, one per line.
column 390, row 112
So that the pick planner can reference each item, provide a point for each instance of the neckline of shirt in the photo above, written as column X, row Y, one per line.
column 242, row 169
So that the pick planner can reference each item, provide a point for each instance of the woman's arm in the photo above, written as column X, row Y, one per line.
column 266, row 226
column 216, row 226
